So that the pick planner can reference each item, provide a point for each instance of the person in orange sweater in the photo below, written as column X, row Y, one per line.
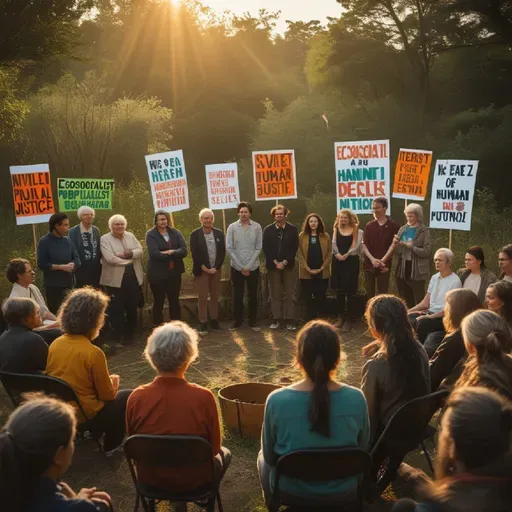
column 171, row 405
column 74, row 359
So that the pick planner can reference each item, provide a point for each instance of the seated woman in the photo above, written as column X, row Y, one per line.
column 171, row 405
column 20, row 273
column 21, row 349
column 474, row 456
column 36, row 448
column 316, row 412
column 488, row 343
column 446, row 358
column 398, row 371
column 498, row 298
column 476, row 276
column 427, row 316
column 74, row 359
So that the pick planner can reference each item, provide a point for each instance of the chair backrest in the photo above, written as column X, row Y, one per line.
column 171, row 451
column 323, row 464
column 16, row 384
column 406, row 428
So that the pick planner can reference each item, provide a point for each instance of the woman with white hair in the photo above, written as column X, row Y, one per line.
column 208, row 248
column 86, row 238
column 427, row 316
column 166, row 250
column 171, row 405
column 414, row 248
column 121, row 274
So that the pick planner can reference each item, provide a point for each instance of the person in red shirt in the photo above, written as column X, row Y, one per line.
column 378, row 249
column 172, row 406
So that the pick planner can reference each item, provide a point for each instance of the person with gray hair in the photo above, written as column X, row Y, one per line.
column 208, row 248
column 87, row 238
column 21, row 349
column 414, row 248
column 122, row 276
column 172, row 405
column 427, row 316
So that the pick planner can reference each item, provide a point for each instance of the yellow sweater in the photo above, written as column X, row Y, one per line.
column 75, row 360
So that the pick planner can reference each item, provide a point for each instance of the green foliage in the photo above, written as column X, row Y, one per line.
column 13, row 109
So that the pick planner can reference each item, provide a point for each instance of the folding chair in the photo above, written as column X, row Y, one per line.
column 16, row 384
column 171, row 452
column 322, row 465
column 407, row 430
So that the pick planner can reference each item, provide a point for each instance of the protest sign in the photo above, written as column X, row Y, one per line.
column 411, row 174
column 453, row 190
column 222, row 185
column 362, row 174
column 168, row 181
column 274, row 174
column 75, row 192
column 32, row 193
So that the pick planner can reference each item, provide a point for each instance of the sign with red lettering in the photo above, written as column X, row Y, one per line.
column 274, row 174
column 222, row 185
column 411, row 174
column 168, row 181
column 362, row 174
column 32, row 193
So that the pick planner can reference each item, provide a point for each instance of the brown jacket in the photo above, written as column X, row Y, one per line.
column 421, row 254
column 302, row 253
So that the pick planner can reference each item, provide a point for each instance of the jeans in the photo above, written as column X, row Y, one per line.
column 375, row 280
column 122, row 310
column 171, row 288
column 315, row 293
column 433, row 340
column 424, row 326
column 282, row 285
column 208, row 284
column 411, row 291
column 239, row 281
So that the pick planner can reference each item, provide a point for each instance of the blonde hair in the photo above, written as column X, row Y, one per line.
column 416, row 209
column 353, row 223
column 117, row 218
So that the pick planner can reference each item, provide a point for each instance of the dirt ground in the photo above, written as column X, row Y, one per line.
column 225, row 358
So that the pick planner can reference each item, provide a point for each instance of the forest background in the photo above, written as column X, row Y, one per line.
column 91, row 86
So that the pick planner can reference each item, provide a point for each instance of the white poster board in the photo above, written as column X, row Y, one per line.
column 222, row 186
column 453, row 189
column 168, row 181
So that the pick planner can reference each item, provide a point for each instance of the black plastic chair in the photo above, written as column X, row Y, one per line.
column 171, row 452
column 322, row 465
column 407, row 430
column 16, row 384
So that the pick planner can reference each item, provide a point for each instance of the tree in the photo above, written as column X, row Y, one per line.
column 13, row 109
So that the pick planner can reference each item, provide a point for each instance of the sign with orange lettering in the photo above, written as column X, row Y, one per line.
column 411, row 174
column 274, row 174
column 362, row 174
column 32, row 193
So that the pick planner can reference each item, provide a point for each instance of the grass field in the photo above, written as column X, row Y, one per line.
column 225, row 358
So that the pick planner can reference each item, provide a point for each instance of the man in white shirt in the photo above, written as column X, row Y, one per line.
column 427, row 316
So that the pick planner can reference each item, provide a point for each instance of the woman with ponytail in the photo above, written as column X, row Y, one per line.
column 398, row 371
column 316, row 412
column 36, row 448
column 488, row 343
column 474, row 457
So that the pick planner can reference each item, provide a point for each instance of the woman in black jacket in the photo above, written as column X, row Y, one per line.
column 166, row 250
column 208, row 248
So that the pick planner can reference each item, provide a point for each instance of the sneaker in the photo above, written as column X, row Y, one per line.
column 203, row 329
column 340, row 322
column 111, row 453
column 347, row 326
column 214, row 324
column 255, row 327
column 235, row 326
column 275, row 325
column 291, row 327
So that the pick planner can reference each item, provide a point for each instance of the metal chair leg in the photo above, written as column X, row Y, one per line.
column 137, row 501
column 219, row 503
column 427, row 456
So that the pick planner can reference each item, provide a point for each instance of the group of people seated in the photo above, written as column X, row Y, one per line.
column 319, row 411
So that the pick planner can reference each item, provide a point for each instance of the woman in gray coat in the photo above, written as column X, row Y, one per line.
column 413, row 246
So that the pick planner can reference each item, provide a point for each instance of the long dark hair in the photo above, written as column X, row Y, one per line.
column 318, row 353
column 321, row 224
column 28, row 443
column 503, row 290
column 386, row 316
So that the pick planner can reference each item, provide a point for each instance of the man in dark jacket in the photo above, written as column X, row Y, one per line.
column 58, row 258
column 86, row 239
column 208, row 248
column 280, row 244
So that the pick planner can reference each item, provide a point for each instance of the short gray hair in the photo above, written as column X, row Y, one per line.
column 18, row 309
column 117, row 218
column 416, row 209
column 205, row 210
column 171, row 346
column 448, row 254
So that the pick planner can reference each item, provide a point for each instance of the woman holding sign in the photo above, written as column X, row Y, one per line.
column 413, row 246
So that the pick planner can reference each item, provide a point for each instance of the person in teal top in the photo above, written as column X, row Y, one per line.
column 316, row 412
